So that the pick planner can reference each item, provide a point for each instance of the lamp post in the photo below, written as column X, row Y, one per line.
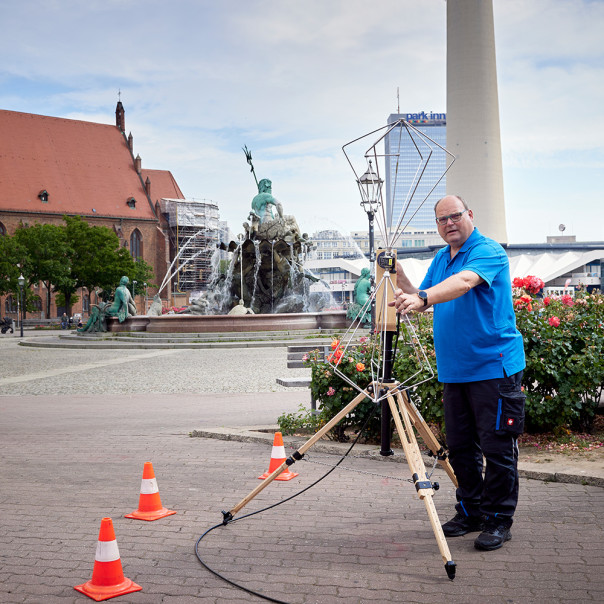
column 21, row 282
column 370, row 187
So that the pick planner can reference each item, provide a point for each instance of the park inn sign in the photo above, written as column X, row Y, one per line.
column 433, row 119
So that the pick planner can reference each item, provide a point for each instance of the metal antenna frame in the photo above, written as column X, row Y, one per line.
column 425, row 148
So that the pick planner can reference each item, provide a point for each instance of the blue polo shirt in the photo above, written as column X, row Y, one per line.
column 475, row 335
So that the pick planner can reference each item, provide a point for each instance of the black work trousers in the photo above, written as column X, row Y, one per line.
column 484, row 418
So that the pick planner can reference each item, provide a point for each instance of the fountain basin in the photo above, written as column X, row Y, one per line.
column 186, row 323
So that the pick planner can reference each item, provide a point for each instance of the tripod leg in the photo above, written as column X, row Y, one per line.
column 418, row 472
column 297, row 455
column 427, row 435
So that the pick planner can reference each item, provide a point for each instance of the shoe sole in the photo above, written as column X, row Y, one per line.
column 460, row 534
column 487, row 548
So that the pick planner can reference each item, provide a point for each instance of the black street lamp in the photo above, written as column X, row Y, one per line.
column 21, row 281
column 370, row 187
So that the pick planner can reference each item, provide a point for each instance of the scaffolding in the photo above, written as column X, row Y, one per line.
column 194, row 233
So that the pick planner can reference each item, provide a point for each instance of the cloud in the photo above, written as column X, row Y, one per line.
column 294, row 81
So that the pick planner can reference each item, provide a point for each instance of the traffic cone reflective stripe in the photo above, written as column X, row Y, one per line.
column 277, row 458
column 108, row 579
column 149, row 502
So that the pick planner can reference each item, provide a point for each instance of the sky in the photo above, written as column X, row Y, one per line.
column 296, row 80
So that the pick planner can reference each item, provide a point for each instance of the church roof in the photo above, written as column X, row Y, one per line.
column 163, row 185
column 85, row 168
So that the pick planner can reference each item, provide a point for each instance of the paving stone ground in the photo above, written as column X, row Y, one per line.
column 361, row 535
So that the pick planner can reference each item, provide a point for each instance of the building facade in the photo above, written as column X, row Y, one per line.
column 408, row 202
column 51, row 167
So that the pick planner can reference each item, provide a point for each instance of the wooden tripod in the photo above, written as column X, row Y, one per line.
column 406, row 417
column 405, row 414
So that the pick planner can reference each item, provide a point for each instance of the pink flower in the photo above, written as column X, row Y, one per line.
column 330, row 391
column 360, row 367
column 305, row 357
column 524, row 302
column 533, row 285
column 554, row 321
column 363, row 339
column 567, row 300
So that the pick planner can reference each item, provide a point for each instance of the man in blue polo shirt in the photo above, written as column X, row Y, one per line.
column 480, row 360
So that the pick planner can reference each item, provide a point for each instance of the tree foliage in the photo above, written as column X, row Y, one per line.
column 68, row 257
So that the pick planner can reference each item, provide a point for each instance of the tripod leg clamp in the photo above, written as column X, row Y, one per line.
column 441, row 454
column 421, row 484
column 296, row 456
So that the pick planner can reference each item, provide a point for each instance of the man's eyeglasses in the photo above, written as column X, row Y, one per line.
column 454, row 218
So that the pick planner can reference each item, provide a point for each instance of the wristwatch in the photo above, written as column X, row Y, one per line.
column 423, row 296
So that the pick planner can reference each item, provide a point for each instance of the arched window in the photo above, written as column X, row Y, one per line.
column 136, row 244
column 37, row 302
column 10, row 304
column 2, row 229
column 86, row 303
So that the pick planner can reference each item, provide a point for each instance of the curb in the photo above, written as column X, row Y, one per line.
column 264, row 435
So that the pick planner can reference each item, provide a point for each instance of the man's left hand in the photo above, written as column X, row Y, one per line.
column 406, row 303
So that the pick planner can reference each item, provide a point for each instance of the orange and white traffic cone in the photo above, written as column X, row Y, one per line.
column 277, row 458
column 149, row 502
column 108, row 579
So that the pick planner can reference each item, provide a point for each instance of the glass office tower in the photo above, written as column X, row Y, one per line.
column 404, row 166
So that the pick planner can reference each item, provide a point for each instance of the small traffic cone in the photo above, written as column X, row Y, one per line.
column 108, row 579
column 277, row 458
column 149, row 503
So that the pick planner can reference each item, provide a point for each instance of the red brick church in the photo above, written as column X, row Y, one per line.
column 53, row 166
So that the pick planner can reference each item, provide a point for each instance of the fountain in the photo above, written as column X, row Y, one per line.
column 265, row 286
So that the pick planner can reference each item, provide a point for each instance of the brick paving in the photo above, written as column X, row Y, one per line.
column 361, row 535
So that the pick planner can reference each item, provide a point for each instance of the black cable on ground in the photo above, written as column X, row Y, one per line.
column 250, row 591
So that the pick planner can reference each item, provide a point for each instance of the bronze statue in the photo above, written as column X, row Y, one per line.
column 123, row 304
column 362, row 293
column 97, row 322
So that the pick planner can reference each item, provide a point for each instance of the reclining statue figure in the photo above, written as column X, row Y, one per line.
column 123, row 305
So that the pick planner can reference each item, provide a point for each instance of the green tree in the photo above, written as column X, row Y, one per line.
column 14, row 263
column 46, row 254
column 98, row 261
column 10, row 257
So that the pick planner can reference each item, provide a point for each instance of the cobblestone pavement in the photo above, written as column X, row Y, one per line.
column 361, row 535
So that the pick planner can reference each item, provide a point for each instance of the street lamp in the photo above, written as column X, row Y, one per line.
column 370, row 187
column 21, row 281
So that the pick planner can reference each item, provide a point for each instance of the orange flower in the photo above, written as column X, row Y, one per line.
column 360, row 367
column 335, row 344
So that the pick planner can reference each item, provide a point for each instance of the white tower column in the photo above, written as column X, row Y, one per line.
column 473, row 114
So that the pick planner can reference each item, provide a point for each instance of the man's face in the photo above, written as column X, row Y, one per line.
column 454, row 233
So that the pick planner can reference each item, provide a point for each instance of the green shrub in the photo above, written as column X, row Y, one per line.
column 563, row 380
column 564, row 347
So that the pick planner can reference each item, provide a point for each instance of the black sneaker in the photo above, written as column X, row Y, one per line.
column 495, row 534
column 461, row 524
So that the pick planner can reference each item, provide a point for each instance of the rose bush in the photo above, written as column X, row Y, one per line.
column 332, row 393
column 563, row 379
column 564, row 347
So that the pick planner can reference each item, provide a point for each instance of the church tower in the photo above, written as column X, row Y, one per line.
column 120, row 117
